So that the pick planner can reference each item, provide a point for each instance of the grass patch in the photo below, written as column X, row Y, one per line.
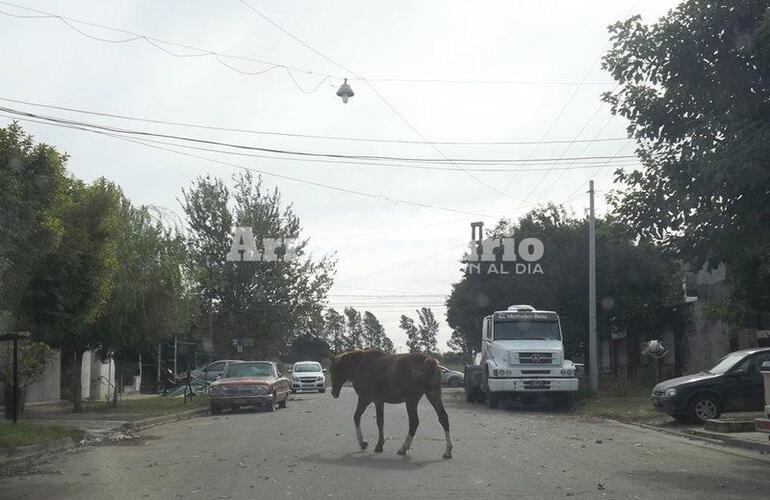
column 24, row 433
column 150, row 406
column 630, row 401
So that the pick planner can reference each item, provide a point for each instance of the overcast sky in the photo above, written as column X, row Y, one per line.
column 537, row 52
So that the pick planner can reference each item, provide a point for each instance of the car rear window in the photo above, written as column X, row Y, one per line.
column 307, row 367
column 248, row 370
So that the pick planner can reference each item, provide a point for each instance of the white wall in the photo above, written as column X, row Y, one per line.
column 48, row 388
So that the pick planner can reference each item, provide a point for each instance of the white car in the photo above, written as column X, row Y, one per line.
column 308, row 376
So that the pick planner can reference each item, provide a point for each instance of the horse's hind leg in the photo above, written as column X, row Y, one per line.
column 380, row 407
column 362, row 404
column 411, row 411
column 435, row 399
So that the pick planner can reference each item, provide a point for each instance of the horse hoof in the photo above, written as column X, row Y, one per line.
column 401, row 452
column 363, row 445
column 447, row 455
column 378, row 448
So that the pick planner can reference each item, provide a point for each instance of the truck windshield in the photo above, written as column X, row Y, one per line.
column 527, row 330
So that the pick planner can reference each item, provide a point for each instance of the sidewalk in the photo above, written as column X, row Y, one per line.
column 98, row 417
column 753, row 441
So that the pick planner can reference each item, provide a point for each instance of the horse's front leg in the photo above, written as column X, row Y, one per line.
column 362, row 404
column 411, row 411
column 380, row 407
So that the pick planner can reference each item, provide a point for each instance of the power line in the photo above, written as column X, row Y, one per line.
column 219, row 56
column 335, row 156
column 374, row 89
column 392, row 200
column 306, row 136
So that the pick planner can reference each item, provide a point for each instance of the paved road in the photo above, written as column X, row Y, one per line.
column 309, row 451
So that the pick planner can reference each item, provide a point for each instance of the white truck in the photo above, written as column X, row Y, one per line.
column 522, row 356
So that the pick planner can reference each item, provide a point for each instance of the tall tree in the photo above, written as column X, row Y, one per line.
column 335, row 330
column 634, row 281
column 267, row 302
column 149, row 299
column 355, row 329
column 374, row 332
column 695, row 87
column 69, row 293
column 427, row 330
column 413, row 341
column 459, row 342
column 33, row 191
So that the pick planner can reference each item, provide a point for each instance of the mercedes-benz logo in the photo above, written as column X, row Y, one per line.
column 535, row 358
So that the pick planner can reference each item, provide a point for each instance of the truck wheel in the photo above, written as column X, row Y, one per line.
column 454, row 382
column 494, row 400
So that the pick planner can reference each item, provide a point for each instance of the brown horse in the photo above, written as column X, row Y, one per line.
column 381, row 378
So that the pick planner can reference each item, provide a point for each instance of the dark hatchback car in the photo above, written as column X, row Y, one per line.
column 734, row 384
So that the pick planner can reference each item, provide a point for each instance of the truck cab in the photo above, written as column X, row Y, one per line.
column 522, row 352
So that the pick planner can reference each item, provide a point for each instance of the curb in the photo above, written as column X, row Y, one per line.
column 163, row 419
column 708, row 440
column 18, row 453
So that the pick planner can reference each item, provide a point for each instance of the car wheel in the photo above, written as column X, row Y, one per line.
column 322, row 390
column 493, row 399
column 703, row 407
column 454, row 382
column 216, row 410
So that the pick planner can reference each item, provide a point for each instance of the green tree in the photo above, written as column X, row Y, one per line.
column 413, row 341
column 374, row 332
column 695, row 88
column 335, row 330
column 149, row 299
column 634, row 281
column 269, row 302
column 459, row 342
column 308, row 347
column 70, row 291
column 355, row 329
column 427, row 330
column 33, row 192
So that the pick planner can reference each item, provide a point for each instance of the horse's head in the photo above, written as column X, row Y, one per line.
column 338, row 373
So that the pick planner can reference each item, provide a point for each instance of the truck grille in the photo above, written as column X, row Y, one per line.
column 535, row 372
column 536, row 358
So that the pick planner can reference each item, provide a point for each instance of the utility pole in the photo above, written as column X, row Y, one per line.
column 593, row 351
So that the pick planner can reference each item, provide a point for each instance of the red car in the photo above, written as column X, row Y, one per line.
column 249, row 383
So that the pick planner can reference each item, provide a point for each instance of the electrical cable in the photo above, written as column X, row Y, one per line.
column 307, row 136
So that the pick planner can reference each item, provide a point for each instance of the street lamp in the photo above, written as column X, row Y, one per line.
column 16, row 336
column 345, row 91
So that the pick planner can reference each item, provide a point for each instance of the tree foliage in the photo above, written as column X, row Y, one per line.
column 427, row 330
column 695, row 87
column 269, row 302
column 33, row 357
column 633, row 281
column 334, row 328
column 33, row 190
column 354, row 328
column 412, row 335
column 69, row 292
